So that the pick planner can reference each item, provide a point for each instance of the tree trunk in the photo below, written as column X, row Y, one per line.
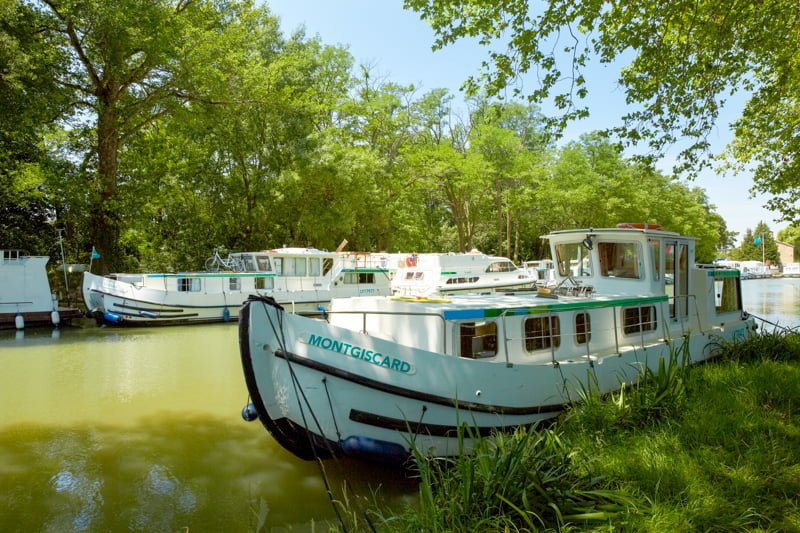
column 104, row 217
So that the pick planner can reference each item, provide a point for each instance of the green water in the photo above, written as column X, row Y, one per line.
column 139, row 430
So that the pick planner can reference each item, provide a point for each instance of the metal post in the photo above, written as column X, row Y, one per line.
column 64, row 266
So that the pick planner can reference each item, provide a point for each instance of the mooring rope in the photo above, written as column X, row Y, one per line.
column 774, row 324
column 300, row 393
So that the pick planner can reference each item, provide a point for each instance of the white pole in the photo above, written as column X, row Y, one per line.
column 64, row 265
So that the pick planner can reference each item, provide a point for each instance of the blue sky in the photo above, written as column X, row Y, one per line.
column 397, row 45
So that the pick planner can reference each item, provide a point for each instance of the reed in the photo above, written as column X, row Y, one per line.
column 714, row 447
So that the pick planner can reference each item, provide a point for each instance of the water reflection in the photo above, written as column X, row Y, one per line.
column 116, row 430
column 777, row 300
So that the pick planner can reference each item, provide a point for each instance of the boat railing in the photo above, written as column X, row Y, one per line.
column 364, row 315
column 11, row 255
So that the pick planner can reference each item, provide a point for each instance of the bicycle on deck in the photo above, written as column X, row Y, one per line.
column 216, row 262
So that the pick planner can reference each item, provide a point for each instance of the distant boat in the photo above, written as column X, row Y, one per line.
column 747, row 269
column 428, row 274
column 791, row 270
column 384, row 373
column 25, row 296
column 302, row 279
column 542, row 270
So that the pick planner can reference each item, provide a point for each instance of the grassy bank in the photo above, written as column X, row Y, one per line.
column 709, row 448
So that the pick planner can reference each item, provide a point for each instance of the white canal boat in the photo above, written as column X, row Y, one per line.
column 384, row 372
column 431, row 274
column 25, row 296
column 304, row 280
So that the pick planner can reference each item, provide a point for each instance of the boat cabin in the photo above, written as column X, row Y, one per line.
column 615, row 289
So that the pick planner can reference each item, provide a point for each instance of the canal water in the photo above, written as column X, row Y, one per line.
column 107, row 429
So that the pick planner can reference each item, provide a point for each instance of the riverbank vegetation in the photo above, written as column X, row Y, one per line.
column 156, row 131
column 714, row 447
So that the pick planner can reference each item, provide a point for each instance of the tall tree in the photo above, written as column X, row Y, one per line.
column 689, row 57
column 128, row 62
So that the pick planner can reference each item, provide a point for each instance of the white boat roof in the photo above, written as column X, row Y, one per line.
column 555, row 235
column 479, row 306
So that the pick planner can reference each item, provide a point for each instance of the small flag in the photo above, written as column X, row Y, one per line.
column 758, row 240
column 95, row 253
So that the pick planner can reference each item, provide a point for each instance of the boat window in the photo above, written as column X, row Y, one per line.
column 277, row 263
column 327, row 265
column 453, row 281
column 409, row 275
column 265, row 283
column 263, row 263
column 655, row 257
column 234, row 284
column 358, row 278
column 726, row 294
column 501, row 266
column 249, row 263
column 300, row 266
column 620, row 259
column 478, row 339
column 542, row 332
column 314, row 267
column 573, row 259
column 583, row 328
column 639, row 319
column 189, row 284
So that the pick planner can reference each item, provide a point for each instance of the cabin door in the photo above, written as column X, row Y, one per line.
column 677, row 268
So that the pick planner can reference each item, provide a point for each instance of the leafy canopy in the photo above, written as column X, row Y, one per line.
column 689, row 56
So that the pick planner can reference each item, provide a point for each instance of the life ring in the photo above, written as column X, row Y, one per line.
column 637, row 225
column 411, row 261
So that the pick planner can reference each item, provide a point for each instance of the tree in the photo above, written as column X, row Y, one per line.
column 758, row 245
column 129, row 64
column 689, row 57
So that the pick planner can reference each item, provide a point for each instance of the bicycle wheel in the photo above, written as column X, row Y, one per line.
column 212, row 265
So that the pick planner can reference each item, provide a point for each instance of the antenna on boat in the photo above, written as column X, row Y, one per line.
column 64, row 265
column 341, row 246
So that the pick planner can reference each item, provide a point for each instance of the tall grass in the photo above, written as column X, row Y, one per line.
column 714, row 447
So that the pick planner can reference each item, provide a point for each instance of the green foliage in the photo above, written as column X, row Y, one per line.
column 686, row 59
column 527, row 480
column 724, row 459
column 200, row 124
column 766, row 249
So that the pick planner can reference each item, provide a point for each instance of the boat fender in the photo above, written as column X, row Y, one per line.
column 19, row 321
column 148, row 314
column 369, row 448
column 55, row 318
column 249, row 412
column 226, row 315
column 111, row 318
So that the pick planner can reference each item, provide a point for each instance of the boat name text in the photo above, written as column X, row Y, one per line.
column 358, row 352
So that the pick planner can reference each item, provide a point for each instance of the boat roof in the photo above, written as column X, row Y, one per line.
column 625, row 230
column 479, row 306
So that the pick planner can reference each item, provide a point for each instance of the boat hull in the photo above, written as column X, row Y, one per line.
column 124, row 304
column 322, row 390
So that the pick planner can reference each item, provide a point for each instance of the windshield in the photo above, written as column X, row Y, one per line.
column 573, row 259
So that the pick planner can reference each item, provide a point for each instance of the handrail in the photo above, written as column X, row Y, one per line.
column 12, row 254
column 395, row 313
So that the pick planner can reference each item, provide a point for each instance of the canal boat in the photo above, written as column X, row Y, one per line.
column 791, row 270
column 543, row 271
column 304, row 280
column 25, row 296
column 428, row 274
column 381, row 375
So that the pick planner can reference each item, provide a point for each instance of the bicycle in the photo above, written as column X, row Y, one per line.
column 217, row 262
